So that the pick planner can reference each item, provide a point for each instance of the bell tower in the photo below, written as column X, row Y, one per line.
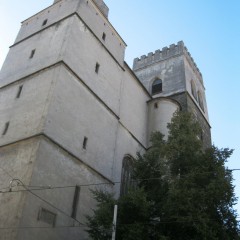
column 56, row 81
column 171, row 73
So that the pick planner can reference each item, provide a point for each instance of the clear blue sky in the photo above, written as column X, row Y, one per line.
column 209, row 28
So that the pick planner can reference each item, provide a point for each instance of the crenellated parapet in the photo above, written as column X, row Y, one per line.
column 165, row 53
column 102, row 7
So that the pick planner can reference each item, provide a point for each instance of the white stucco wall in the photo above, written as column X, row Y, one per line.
column 16, row 161
column 160, row 114
column 26, row 113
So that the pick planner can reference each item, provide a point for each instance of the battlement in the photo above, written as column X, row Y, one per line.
column 165, row 53
column 102, row 7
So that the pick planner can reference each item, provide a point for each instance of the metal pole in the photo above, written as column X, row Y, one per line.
column 114, row 222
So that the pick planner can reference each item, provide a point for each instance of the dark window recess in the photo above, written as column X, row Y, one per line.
column 104, row 36
column 97, row 68
column 19, row 91
column 155, row 105
column 44, row 22
column 32, row 53
column 126, row 176
column 75, row 202
column 200, row 100
column 47, row 216
column 85, row 142
column 6, row 128
column 157, row 86
column 193, row 90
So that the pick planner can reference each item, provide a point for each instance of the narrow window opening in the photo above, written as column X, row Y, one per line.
column 155, row 105
column 75, row 202
column 200, row 100
column 157, row 86
column 193, row 90
column 126, row 176
column 97, row 67
column 44, row 22
column 32, row 53
column 5, row 128
column 104, row 36
column 19, row 91
column 47, row 216
column 85, row 142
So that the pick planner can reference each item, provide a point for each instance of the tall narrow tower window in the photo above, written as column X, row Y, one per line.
column 75, row 202
column 126, row 178
column 200, row 100
column 44, row 22
column 157, row 86
column 97, row 68
column 32, row 53
column 104, row 36
column 19, row 91
column 5, row 128
column 44, row 215
column 193, row 90
column 85, row 142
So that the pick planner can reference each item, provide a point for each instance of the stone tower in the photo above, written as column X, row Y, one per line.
column 66, row 120
column 171, row 73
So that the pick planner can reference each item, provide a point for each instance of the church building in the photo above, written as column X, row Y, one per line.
column 73, row 113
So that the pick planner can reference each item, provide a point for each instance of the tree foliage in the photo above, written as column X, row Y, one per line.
column 184, row 192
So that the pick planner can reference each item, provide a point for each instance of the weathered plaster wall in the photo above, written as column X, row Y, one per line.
column 76, row 113
column 16, row 161
column 26, row 114
column 133, row 107
column 82, row 53
column 160, row 112
column 13, row 69
column 56, row 167
column 170, row 71
column 88, row 12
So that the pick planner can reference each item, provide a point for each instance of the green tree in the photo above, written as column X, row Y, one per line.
column 184, row 191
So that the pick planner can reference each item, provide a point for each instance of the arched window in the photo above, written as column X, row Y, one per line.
column 157, row 86
column 126, row 176
column 200, row 100
column 193, row 90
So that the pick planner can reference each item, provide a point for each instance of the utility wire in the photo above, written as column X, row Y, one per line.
column 6, row 172
column 166, row 221
column 41, row 188
column 60, row 187
column 37, row 227
column 27, row 189
column 50, row 204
